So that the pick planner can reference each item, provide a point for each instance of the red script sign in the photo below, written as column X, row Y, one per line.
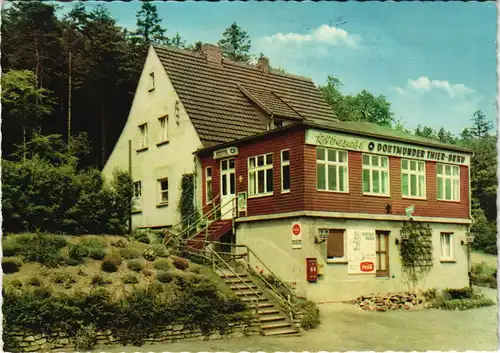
column 296, row 229
column 366, row 266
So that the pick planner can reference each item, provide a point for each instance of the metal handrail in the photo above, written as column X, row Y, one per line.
column 192, row 215
column 285, row 301
column 215, row 266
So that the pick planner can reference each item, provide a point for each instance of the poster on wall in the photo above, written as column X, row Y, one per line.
column 296, row 235
column 242, row 202
column 361, row 251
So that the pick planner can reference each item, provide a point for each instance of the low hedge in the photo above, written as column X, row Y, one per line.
column 310, row 315
column 461, row 304
column 456, row 299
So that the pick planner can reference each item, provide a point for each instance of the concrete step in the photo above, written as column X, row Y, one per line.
column 253, row 299
column 277, row 325
column 281, row 331
column 245, row 292
column 242, row 286
column 271, row 311
column 271, row 318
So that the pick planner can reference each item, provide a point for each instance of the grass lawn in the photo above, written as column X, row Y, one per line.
column 490, row 260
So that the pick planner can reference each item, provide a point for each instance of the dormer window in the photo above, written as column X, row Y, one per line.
column 151, row 82
column 278, row 123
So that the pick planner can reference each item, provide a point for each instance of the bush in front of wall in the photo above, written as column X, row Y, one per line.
column 456, row 299
column 111, row 264
column 310, row 315
column 11, row 265
column 85, row 338
column 134, row 265
column 141, row 236
column 43, row 248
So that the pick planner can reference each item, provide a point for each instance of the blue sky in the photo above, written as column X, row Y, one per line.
column 435, row 62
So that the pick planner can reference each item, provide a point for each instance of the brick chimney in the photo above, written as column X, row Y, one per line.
column 263, row 64
column 212, row 53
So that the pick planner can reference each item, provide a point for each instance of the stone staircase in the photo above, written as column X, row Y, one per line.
column 273, row 321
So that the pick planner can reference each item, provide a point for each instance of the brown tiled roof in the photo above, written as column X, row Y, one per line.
column 218, row 108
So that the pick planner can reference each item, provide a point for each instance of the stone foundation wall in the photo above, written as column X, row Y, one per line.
column 30, row 342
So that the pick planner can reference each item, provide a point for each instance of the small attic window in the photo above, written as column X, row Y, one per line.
column 151, row 82
column 278, row 123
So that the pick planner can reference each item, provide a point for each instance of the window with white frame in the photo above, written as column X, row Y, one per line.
column 448, row 182
column 285, row 171
column 413, row 178
column 163, row 188
column 137, row 195
column 375, row 175
column 151, row 84
column 331, row 170
column 260, row 175
column 163, row 128
column 143, row 138
column 208, row 184
column 446, row 246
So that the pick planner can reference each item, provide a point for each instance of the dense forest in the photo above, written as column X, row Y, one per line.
column 74, row 76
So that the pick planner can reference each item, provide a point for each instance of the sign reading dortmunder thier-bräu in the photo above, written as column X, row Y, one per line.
column 372, row 145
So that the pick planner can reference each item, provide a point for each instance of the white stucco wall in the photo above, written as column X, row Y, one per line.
column 271, row 240
column 169, row 160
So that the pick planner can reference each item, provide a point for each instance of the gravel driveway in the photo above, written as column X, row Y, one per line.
column 345, row 327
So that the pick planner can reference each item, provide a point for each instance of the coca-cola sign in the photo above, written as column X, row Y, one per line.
column 367, row 266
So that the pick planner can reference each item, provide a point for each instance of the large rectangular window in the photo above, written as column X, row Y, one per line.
column 413, row 178
column 448, row 182
column 331, row 170
column 208, row 184
column 375, row 175
column 143, row 138
column 163, row 188
column 260, row 175
column 285, row 171
column 446, row 246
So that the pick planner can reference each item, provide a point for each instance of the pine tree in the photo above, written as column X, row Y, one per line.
column 177, row 41
column 235, row 44
column 481, row 126
column 149, row 28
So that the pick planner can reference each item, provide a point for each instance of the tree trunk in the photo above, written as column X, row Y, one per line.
column 103, row 135
column 69, row 97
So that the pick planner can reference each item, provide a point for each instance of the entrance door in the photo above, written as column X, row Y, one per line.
column 382, row 269
column 228, row 187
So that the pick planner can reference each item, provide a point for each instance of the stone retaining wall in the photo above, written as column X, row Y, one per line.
column 30, row 342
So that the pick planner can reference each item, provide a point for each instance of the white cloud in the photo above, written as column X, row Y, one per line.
column 324, row 34
column 424, row 84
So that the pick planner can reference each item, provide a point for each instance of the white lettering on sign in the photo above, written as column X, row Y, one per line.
column 226, row 152
column 364, row 144
column 296, row 235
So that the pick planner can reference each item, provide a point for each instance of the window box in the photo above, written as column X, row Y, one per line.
column 161, row 204
column 162, row 143
column 142, row 149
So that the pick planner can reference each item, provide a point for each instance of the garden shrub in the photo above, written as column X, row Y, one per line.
column 43, row 248
column 34, row 281
column 99, row 280
column 164, row 277
column 11, row 265
column 180, row 263
column 85, row 338
column 483, row 275
column 149, row 254
column 459, row 293
column 130, row 279
column 120, row 243
column 462, row 304
column 310, row 318
column 111, row 264
column 97, row 253
column 10, row 247
column 64, row 278
column 141, row 236
column 130, row 253
column 71, row 262
column 93, row 243
column 134, row 265
column 162, row 264
column 78, row 252
column 16, row 283
column 147, row 273
column 159, row 250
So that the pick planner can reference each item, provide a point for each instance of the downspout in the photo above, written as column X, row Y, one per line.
column 130, row 173
column 469, row 266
